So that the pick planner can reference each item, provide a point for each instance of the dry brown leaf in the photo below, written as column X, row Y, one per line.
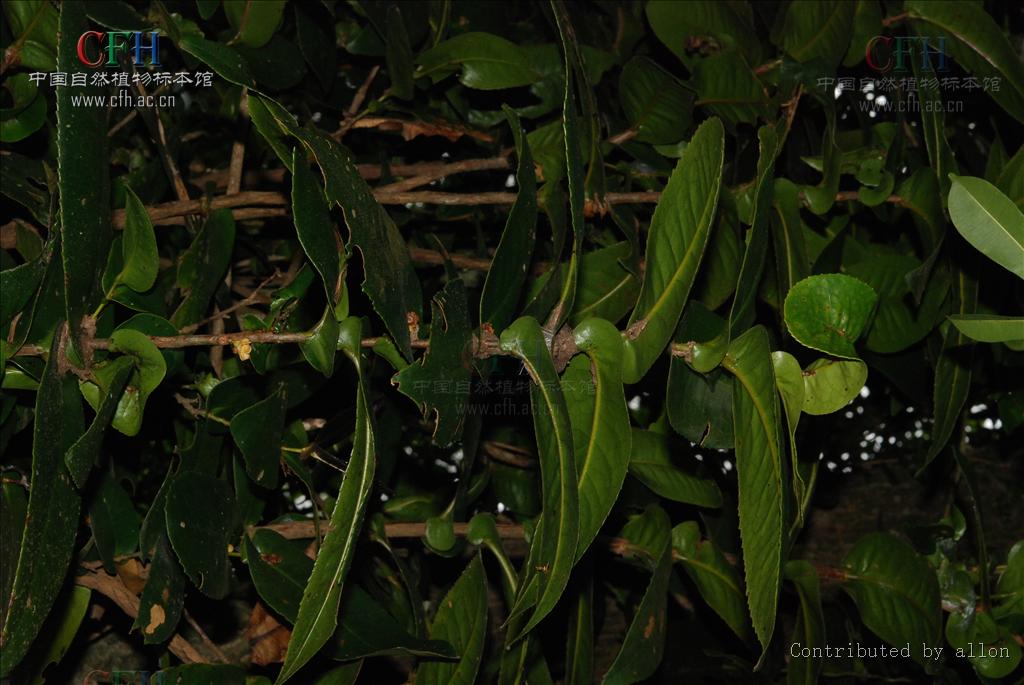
column 268, row 639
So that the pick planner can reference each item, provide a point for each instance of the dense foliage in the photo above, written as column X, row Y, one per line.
column 535, row 342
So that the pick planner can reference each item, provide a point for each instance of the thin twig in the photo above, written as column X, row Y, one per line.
column 357, row 102
column 250, row 299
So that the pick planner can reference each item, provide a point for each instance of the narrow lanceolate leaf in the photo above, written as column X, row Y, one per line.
column 318, row 612
column 600, row 423
column 579, row 649
column 558, row 532
column 83, row 179
column 462, row 621
column 577, row 189
column 791, row 262
column 201, row 268
column 741, row 314
column 953, row 369
column 679, row 233
column 975, row 42
column 388, row 276
column 141, row 259
column 439, row 380
column 810, row 624
column 716, row 579
column 642, row 650
column 82, row 455
column 644, row 644
column 895, row 590
column 163, row 597
column 990, row 329
column 759, row 469
column 313, row 224
column 790, row 382
column 511, row 262
column 989, row 220
column 52, row 521
column 257, row 431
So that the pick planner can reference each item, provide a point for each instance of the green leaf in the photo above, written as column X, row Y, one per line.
column 461, row 620
column 792, row 264
column 644, row 644
column 989, row 328
column 389, row 279
column 809, row 630
column 830, row 384
column 650, row 461
column 399, row 54
column 439, row 381
column 829, row 312
column 790, row 382
column 741, row 314
column 990, row 648
column 594, row 396
column 573, row 157
column 201, row 268
column 953, row 369
column 819, row 30
column 933, row 123
column 83, row 181
column 988, row 220
column 322, row 343
column 318, row 612
column 365, row 628
column 258, row 432
column 607, row 289
column 317, row 45
column 224, row 60
column 150, row 370
column 556, row 539
column 977, row 43
column 18, row 285
column 759, row 468
column 699, row 396
column 280, row 570
column 66, row 620
column 199, row 511
column 1011, row 178
column 656, row 105
column 33, row 23
column 114, row 521
column 163, row 597
column 141, row 259
column 895, row 590
column 730, row 26
column 484, row 62
column 27, row 113
column 316, row 231
column 727, row 86
column 678, row 235
column 52, row 519
column 255, row 22
column 82, row 455
column 505, row 279
column 898, row 323
column 201, row 674
column 716, row 579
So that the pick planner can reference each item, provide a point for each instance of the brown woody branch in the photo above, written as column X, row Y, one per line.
column 114, row 589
